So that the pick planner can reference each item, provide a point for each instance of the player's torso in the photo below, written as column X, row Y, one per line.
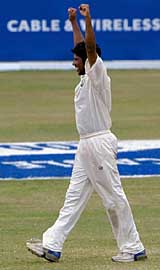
column 90, row 108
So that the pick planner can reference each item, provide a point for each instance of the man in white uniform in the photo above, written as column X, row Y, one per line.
column 95, row 166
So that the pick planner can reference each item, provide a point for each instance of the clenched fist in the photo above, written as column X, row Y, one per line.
column 84, row 10
column 72, row 13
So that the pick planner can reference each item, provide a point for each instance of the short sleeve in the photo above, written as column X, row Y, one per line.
column 98, row 74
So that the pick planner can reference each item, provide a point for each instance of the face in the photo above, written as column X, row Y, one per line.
column 78, row 64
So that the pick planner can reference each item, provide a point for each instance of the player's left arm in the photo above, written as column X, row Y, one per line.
column 77, row 34
column 90, row 40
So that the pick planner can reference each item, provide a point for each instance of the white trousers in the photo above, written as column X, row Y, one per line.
column 95, row 168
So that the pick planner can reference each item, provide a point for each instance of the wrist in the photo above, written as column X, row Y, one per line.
column 73, row 21
column 88, row 16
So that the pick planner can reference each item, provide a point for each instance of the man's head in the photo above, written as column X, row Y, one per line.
column 80, row 56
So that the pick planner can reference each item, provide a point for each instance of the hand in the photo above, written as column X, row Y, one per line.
column 72, row 13
column 84, row 10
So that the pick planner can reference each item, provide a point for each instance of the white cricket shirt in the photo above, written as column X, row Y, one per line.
column 93, row 99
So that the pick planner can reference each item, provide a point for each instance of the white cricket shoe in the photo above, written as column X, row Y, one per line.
column 35, row 246
column 128, row 257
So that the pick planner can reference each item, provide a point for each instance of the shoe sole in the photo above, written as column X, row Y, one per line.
column 34, row 252
column 140, row 258
column 46, row 256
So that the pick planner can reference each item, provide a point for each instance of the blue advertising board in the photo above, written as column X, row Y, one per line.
column 40, row 30
column 49, row 160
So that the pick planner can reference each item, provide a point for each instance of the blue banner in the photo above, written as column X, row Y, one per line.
column 40, row 30
column 50, row 160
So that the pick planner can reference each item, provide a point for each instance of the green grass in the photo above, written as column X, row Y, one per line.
column 136, row 110
column 38, row 106
column 28, row 208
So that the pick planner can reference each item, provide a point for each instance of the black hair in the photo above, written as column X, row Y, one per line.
column 80, row 50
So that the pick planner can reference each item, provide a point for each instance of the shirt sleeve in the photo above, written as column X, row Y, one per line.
column 98, row 75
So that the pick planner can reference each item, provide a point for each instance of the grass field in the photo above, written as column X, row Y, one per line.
column 38, row 106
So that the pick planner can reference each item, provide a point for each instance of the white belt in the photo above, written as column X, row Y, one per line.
column 93, row 134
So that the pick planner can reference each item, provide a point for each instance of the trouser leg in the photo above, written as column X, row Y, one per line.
column 77, row 196
column 121, row 218
column 105, row 178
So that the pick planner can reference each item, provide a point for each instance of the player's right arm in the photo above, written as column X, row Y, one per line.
column 90, row 40
column 77, row 35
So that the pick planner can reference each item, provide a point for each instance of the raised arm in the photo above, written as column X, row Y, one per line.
column 90, row 40
column 77, row 35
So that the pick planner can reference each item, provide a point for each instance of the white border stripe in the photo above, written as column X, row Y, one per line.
column 68, row 178
column 67, row 65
